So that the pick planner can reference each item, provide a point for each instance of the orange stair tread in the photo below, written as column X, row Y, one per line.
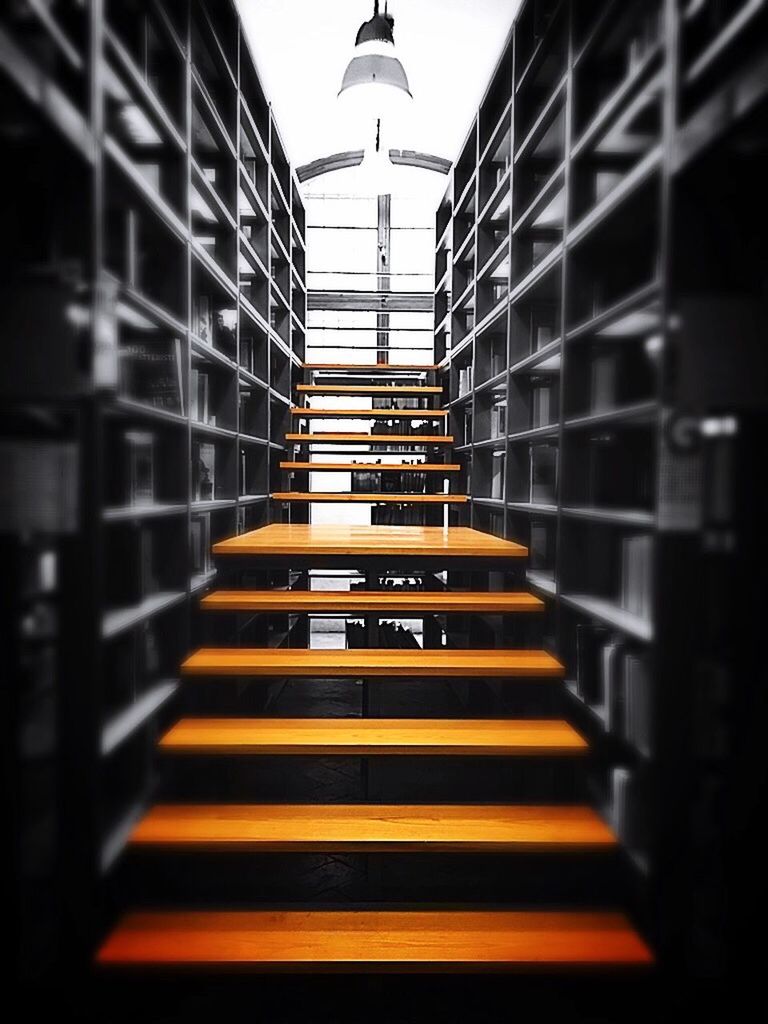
column 285, row 661
column 374, row 367
column 366, row 940
column 377, row 439
column 373, row 496
column 383, row 736
column 369, row 389
column 348, row 828
column 377, row 467
column 310, row 539
column 363, row 414
column 411, row 601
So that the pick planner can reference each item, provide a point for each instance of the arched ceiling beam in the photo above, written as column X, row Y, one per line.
column 352, row 158
column 427, row 161
column 326, row 164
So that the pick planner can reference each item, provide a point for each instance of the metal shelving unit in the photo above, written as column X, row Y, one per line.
column 182, row 246
column 567, row 249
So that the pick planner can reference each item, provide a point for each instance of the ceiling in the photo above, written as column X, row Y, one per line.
column 448, row 49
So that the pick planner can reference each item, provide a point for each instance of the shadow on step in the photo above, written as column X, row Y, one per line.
column 401, row 779
column 242, row 880
column 595, row 998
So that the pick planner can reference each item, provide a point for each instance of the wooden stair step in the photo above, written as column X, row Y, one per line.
column 369, row 389
column 360, row 737
column 357, row 601
column 377, row 439
column 376, row 940
column 322, row 539
column 374, row 828
column 286, row 661
column 372, row 367
column 368, row 414
column 372, row 467
column 372, row 497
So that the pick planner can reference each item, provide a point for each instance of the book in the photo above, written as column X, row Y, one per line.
column 590, row 640
column 541, row 408
column 467, row 427
column 200, row 544
column 497, row 475
column 132, row 258
column 204, row 475
column 194, row 408
column 619, row 811
column 148, row 582
column 148, row 650
column 543, row 474
column 106, row 359
column 604, row 382
column 499, row 418
column 140, row 466
column 150, row 372
column 202, row 321
column 225, row 329
column 199, row 390
column 539, row 547
column 247, row 353
column 637, row 717
column 247, row 474
column 610, row 697
column 635, row 591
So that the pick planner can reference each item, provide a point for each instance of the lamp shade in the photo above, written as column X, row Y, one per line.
column 375, row 69
column 375, row 83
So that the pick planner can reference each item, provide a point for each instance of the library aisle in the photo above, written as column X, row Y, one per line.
column 383, row 507
column 436, row 563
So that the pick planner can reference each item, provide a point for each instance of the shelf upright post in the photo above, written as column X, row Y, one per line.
column 82, row 571
column 562, row 444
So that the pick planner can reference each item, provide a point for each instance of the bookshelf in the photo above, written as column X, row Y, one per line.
column 156, row 231
column 575, row 248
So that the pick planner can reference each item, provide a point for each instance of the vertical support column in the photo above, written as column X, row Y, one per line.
column 369, row 776
column 561, row 565
column 383, row 269
column 81, row 574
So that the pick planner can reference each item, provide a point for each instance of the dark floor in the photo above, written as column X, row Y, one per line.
column 421, row 999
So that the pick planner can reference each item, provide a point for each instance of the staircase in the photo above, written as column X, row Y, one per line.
column 545, row 837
